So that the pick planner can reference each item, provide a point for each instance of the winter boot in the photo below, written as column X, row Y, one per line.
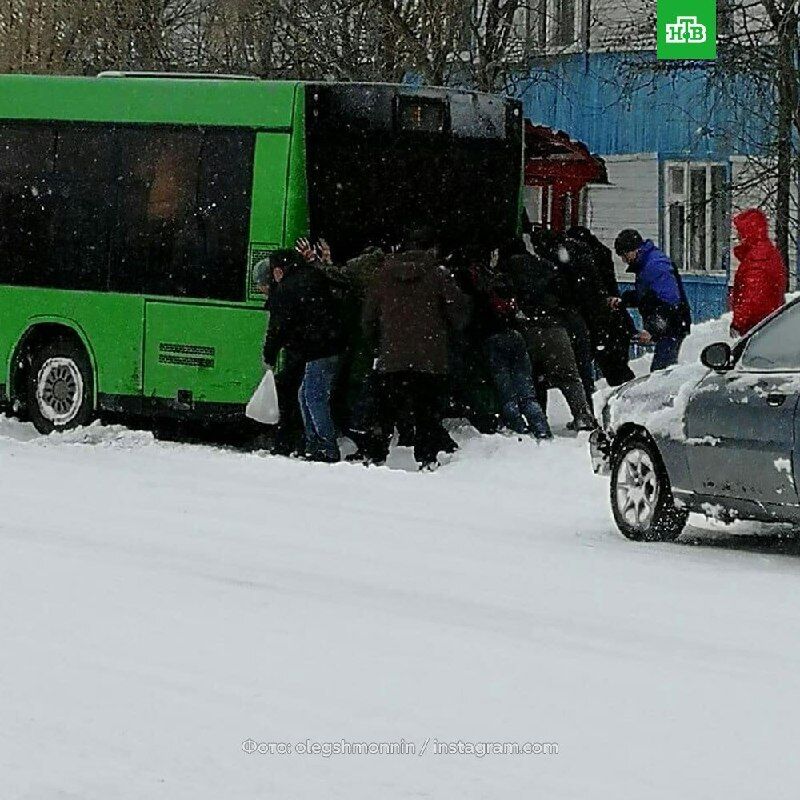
column 538, row 425
column 585, row 422
column 514, row 418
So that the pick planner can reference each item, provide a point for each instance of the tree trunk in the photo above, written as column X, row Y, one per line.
column 783, row 209
column 786, row 95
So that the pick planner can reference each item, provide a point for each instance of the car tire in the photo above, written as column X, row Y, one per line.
column 60, row 386
column 641, row 495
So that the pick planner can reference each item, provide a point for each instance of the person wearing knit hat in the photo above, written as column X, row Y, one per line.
column 658, row 294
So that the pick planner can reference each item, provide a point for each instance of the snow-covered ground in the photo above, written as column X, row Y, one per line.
column 164, row 603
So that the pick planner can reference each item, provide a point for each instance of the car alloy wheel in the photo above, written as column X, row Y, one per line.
column 638, row 489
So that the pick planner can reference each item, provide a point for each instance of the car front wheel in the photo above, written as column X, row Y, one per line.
column 641, row 496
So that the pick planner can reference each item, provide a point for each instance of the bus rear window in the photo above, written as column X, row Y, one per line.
column 422, row 114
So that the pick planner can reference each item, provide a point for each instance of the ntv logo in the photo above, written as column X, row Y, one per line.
column 687, row 30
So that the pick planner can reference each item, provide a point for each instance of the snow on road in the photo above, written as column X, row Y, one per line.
column 163, row 603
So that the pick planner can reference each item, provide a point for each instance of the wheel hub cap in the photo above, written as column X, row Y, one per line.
column 59, row 390
column 637, row 489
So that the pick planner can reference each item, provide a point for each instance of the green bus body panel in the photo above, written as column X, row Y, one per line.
column 214, row 352
column 251, row 104
column 160, row 347
column 147, row 347
column 268, row 215
column 297, row 213
column 111, row 325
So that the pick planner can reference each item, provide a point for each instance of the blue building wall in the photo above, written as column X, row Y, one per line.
column 616, row 104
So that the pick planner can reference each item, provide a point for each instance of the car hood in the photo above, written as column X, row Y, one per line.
column 656, row 402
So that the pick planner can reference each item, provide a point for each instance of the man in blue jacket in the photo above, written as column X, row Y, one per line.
column 659, row 296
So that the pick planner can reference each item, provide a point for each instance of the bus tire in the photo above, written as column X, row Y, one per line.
column 60, row 386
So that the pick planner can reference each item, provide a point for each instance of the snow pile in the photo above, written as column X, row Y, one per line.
column 95, row 434
column 704, row 334
column 658, row 401
column 784, row 466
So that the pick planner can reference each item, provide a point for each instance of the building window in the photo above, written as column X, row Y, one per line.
column 530, row 26
column 564, row 19
column 695, row 218
column 724, row 17
column 533, row 200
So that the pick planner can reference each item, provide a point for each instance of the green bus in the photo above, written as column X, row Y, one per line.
column 134, row 208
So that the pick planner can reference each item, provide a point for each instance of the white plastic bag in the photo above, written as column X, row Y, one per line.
column 263, row 405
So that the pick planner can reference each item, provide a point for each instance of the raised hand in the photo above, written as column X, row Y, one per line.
column 306, row 250
column 324, row 250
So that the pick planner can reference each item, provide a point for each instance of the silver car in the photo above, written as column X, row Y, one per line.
column 721, row 437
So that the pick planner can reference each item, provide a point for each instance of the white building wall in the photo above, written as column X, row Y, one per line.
column 622, row 25
column 630, row 201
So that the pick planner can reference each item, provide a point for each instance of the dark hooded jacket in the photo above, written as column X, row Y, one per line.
column 494, row 308
column 410, row 308
column 581, row 282
column 535, row 284
column 601, row 255
column 619, row 327
column 304, row 317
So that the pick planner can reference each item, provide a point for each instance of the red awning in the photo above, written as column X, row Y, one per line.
column 552, row 158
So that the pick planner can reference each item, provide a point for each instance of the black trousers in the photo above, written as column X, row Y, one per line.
column 289, row 436
column 411, row 395
column 612, row 350
column 581, row 342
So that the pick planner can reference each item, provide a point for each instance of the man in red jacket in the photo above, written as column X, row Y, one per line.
column 760, row 283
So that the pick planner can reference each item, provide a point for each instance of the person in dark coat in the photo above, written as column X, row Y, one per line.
column 535, row 283
column 288, row 436
column 409, row 309
column 305, row 319
column 355, row 396
column 583, row 300
column 658, row 294
column 612, row 338
column 495, row 324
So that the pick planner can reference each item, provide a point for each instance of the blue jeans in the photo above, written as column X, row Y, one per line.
column 510, row 365
column 315, row 406
column 667, row 350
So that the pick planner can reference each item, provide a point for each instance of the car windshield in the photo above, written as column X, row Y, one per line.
column 776, row 346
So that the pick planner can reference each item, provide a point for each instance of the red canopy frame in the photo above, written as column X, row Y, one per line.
column 562, row 168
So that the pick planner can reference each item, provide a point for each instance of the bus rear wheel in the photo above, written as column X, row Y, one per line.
column 60, row 390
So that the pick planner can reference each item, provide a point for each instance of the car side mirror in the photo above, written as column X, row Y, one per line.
column 718, row 357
